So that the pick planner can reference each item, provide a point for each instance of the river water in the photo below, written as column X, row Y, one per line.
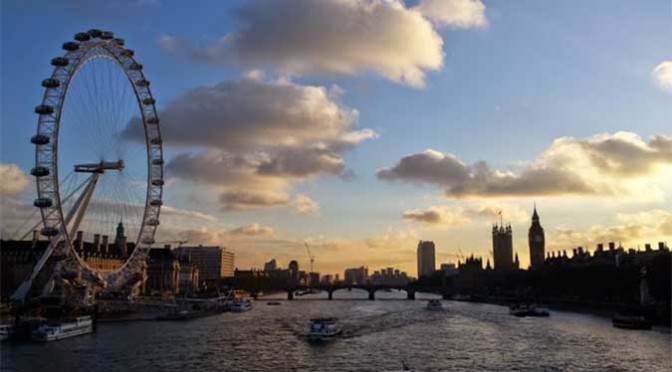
column 378, row 336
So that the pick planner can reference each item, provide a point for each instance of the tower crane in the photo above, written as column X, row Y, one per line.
column 311, row 256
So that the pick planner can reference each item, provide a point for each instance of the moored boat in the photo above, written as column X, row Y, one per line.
column 435, row 305
column 239, row 306
column 630, row 322
column 323, row 329
column 273, row 303
column 64, row 329
column 6, row 331
column 522, row 310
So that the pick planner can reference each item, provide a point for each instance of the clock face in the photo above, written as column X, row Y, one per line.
column 538, row 238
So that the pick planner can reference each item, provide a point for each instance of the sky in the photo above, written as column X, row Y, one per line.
column 362, row 126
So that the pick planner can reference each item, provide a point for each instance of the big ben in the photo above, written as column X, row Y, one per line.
column 537, row 241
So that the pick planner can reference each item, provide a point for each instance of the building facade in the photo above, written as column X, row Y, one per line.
column 536, row 241
column 356, row 275
column 502, row 247
column 426, row 258
column 294, row 271
column 213, row 263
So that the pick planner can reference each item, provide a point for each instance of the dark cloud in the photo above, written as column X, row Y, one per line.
column 429, row 216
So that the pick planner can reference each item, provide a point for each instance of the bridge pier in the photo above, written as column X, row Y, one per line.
column 410, row 295
column 290, row 294
column 331, row 295
column 372, row 295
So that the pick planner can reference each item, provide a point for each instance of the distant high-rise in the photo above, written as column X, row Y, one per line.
column 271, row 265
column 426, row 258
column 294, row 271
column 537, row 241
column 120, row 240
column 502, row 247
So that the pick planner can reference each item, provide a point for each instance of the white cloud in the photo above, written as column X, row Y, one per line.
column 454, row 13
column 258, row 139
column 299, row 37
column 305, row 205
column 662, row 75
column 14, row 180
column 603, row 165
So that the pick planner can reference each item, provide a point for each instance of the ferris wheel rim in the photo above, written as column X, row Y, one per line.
column 89, row 46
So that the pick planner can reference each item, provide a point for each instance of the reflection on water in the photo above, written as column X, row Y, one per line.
column 378, row 336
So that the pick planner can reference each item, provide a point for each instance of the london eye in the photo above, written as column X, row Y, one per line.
column 98, row 165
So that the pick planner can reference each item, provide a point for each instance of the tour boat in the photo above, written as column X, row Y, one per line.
column 521, row 310
column 323, row 329
column 435, row 305
column 6, row 331
column 239, row 306
column 69, row 328
column 630, row 322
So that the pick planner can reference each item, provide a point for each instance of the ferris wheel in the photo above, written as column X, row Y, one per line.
column 98, row 161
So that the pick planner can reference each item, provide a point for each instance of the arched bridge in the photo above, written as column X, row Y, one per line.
column 255, row 287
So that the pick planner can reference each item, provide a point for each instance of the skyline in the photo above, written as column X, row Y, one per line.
column 465, row 114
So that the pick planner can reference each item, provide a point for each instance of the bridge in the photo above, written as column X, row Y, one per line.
column 255, row 287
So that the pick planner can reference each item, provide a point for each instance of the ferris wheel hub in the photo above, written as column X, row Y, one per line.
column 100, row 167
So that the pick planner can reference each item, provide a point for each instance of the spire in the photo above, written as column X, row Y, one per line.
column 535, row 215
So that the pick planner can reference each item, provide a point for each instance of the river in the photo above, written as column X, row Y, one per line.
column 378, row 336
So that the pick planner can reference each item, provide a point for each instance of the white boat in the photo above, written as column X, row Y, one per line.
column 239, row 306
column 323, row 329
column 6, row 331
column 435, row 305
column 70, row 328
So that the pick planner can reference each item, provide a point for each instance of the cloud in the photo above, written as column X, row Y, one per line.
column 305, row 205
column 253, row 229
column 454, row 13
column 222, row 236
column 449, row 216
column 258, row 139
column 436, row 216
column 630, row 229
column 299, row 37
column 605, row 164
column 662, row 75
column 14, row 180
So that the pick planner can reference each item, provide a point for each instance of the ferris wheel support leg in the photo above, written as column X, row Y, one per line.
column 22, row 291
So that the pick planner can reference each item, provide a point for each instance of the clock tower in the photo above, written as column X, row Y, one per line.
column 537, row 241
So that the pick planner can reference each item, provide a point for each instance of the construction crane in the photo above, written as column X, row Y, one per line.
column 311, row 256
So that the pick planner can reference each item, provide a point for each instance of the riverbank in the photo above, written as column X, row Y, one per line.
column 657, row 315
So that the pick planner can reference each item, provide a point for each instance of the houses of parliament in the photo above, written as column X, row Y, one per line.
column 502, row 245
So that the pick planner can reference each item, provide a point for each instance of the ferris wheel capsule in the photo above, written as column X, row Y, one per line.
column 59, row 62
column 40, row 171
column 43, row 203
column 39, row 139
column 94, row 32
column 82, row 36
column 49, row 231
column 44, row 110
column 70, row 46
column 51, row 83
